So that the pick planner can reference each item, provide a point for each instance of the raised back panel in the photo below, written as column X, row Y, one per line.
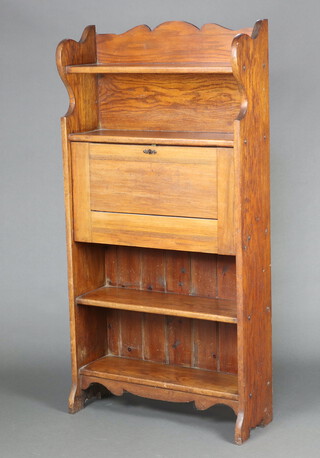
column 196, row 103
column 170, row 42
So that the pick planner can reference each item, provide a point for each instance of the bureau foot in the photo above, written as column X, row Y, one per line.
column 78, row 398
column 242, row 431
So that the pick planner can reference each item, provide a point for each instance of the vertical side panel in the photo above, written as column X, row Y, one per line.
column 225, row 171
column 250, row 67
column 85, row 263
column 81, row 192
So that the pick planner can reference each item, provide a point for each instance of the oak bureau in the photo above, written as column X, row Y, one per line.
column 166, row 175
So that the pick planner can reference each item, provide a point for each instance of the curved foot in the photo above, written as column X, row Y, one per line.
column 78, row 397
column 242, row 432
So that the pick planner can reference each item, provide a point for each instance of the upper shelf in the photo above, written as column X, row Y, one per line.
column 202, row 308
column 217, row 67
column 147, row 137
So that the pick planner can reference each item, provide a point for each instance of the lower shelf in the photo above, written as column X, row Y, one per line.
column 149, row 374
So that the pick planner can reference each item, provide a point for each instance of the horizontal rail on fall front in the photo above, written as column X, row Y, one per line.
column 147, row 137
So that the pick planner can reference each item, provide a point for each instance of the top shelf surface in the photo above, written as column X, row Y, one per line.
column 217, row 67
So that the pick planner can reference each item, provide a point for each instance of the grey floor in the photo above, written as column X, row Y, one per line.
column 34, row 421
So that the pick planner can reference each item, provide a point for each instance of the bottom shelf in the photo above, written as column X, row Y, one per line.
column 182, row 379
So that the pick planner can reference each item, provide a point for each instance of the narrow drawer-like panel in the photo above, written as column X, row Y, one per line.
column 154, row 180
column 170, row 233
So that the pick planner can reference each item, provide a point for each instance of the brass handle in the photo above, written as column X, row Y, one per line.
column 150, row 151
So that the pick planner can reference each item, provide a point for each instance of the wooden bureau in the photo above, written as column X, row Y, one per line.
column 166, row 172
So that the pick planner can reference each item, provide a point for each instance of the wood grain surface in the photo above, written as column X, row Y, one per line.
column 195, row 381
column 225, row 199
column 118, row 388
column 169, row 255
column 201, row 276
column 125, row 179
column 172, row 233
column 195, row 102
column 82, row 113
column 163, row 304
column 173, row 41
column 250, row 66
column 146, row 137
column 200, row 67
column 127, row 197
column 86, row 268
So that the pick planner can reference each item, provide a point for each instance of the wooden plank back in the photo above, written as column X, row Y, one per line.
column 194, row 343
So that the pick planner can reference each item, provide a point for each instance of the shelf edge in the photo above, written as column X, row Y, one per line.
column 121, row 137
column 182, row 69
